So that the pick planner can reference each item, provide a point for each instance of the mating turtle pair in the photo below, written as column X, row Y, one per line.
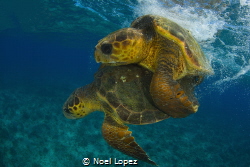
column 164, row 48
column 173, row 65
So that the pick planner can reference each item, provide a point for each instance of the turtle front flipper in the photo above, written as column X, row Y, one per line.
column 118, row 136
column 167, row 93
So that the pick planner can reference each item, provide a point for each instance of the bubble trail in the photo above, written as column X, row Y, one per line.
column 240, row 73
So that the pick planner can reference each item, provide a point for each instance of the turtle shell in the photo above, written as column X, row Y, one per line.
column 153, row 25
column 126, row 90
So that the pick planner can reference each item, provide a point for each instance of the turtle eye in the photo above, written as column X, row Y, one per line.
column 106, row 48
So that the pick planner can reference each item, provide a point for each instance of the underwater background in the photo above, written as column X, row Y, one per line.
column 47, row 51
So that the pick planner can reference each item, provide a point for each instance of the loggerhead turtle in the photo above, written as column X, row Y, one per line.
column 122, row 93
column 165, row 48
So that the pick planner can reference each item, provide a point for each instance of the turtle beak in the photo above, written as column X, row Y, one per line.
column 67, row 114
column 99, row 55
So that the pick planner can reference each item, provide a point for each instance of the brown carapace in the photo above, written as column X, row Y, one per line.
column 166, row 49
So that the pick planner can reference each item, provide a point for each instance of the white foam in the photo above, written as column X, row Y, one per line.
column 202, row 25
column 206, row 24
column 243, row 71
column 245, row 2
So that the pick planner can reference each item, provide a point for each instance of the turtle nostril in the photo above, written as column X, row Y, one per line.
column 106, row 48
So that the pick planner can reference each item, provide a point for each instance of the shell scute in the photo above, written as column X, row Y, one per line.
column 126, row 90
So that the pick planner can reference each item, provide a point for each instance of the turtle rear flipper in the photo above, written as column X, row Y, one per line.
column 167, row 93
column 117, row 135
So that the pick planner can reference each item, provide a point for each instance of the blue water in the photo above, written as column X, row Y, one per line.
column 40, row 67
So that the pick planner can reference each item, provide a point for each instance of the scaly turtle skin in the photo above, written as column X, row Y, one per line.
column 122, row 93
column 164, row 48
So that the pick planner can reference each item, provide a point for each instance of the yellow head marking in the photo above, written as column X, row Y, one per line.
column 124, row 46
column 74, row 108
column 116, row 45
column 78, row 105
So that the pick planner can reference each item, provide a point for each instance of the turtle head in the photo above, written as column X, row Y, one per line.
column 79, row 104
column 121, row 47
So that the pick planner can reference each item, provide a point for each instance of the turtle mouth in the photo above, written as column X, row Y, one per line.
column 68, row 114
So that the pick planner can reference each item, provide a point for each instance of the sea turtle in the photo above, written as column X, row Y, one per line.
column 122, row 93
column 165, row 48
